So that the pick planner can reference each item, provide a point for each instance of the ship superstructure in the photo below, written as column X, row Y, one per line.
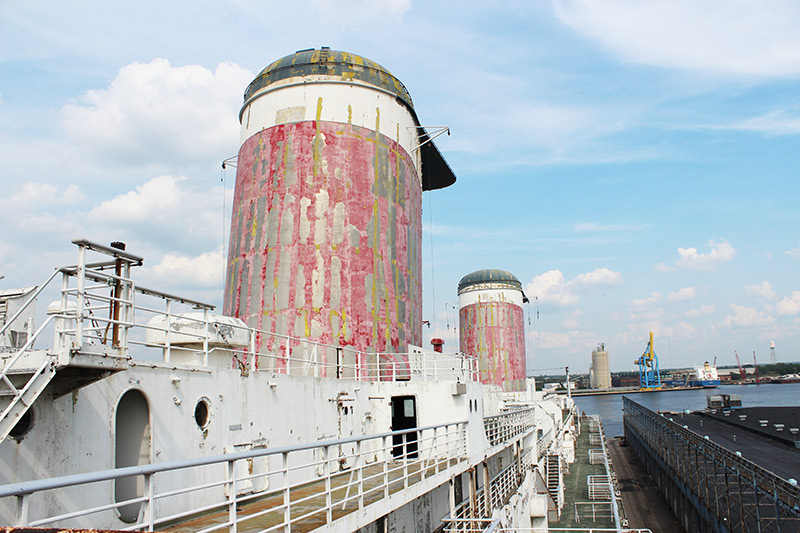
column 704, row 376
column 308, row 404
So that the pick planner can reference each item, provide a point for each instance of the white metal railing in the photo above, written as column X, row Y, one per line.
column 500, row 428
column 488, row 525
column 596, row 457
column 610, row 502
column 600, row 487
column 102, row 308
column 473, row 512
column 594, row 510
column 595, row 439
column 302, row 485
column 544, row 442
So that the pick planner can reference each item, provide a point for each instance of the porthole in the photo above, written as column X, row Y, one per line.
column 202, row 413
column 22, row 426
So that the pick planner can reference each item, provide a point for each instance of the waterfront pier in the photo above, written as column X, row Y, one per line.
column 709, row 486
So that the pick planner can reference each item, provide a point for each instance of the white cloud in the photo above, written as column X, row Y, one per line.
column 598, row 276
column 794, row 252
column 549, row 339
column 686, row 293
column 647, row 315
column 43, row 194
column 552, row 287
column 728, row 37
column 663, row 267
column 202, row 271
column 746, row 317
column 649, row 300
column 154, row 112
column 772, row 123
column 721, row 252
column 789, row 305
column 701, row 311
column 763, row 289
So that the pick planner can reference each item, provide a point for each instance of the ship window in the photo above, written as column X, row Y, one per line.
column 132, row 448
column 22, row 427
column 202, row 414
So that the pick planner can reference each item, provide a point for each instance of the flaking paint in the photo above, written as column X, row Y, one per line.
column 333, row 212
column 494, row 331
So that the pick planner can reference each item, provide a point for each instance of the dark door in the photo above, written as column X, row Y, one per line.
column 404, row 416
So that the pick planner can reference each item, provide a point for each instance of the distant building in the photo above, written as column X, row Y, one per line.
column 599, row 373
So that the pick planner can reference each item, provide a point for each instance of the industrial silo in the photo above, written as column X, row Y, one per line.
column 326, row 224
column 492, row 326
column 599, row 372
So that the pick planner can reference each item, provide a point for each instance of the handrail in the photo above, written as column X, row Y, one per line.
column 695, row 439
column 108, row 250
column 379, row 465
column 18, row 355
column 28, row 487
column 27, row 303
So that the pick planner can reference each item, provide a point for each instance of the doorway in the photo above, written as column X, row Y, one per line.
column 132, row 448
column 404, row 416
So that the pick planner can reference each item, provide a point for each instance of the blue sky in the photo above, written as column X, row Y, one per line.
column 635, row 164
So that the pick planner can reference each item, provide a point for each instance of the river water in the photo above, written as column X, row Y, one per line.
column 609, row 407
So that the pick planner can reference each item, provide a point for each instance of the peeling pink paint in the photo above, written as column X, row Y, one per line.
column 311, row 195
column 494, row 332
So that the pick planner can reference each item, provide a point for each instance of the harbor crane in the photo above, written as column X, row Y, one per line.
column 755, row 366
column 649, row 376
column 741, row 368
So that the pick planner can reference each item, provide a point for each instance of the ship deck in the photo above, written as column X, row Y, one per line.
column 577, row 510
column 310, row 502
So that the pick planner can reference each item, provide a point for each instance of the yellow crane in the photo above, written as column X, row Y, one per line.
column 649, row 376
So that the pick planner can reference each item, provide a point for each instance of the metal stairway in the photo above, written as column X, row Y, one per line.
column 553, row 471
column 81, row 354
column 16, row 401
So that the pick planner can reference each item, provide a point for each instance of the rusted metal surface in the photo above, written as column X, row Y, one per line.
column 325, row 238
column 54, row 530
column 333, row 64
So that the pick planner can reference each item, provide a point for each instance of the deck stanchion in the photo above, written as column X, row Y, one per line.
column 326, row 466
column 232, row 495
column 23, row 505
column 149, row 504
column 387, row 452
column 287, row 510
column 360, row 478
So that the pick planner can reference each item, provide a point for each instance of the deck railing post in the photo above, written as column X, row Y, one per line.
column 23, row 504
column 61, row 323
column 288, row 356
column 287, row 509
column 404, row 455
column 205, row 337
column 326, row 463
column 387, row 452
column 253, row 356
column 360, row 469
column 148, row 511
column 168, row 340
column 232, row 496
column 81, row 302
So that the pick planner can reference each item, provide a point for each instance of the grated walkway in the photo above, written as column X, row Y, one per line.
column 575, row 512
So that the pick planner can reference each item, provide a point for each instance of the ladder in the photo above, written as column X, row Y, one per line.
column 553, row 471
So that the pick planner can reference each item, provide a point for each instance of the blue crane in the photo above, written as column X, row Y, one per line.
column 649, row 377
